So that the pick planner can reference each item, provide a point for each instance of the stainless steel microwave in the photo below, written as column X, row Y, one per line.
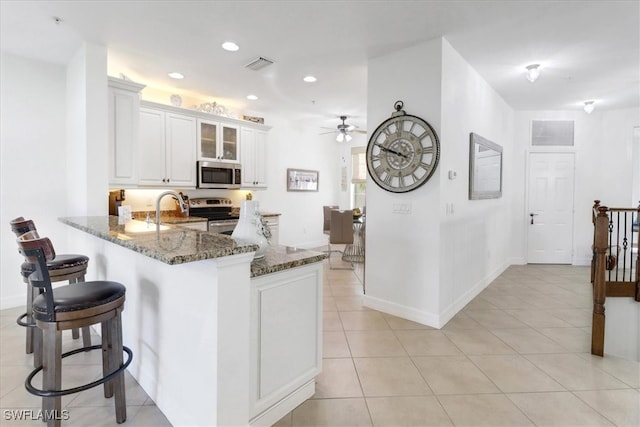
column 218, row 175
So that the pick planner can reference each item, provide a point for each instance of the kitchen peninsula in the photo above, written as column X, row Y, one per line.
column 218, row 338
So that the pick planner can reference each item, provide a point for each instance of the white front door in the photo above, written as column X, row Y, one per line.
column 550, row 204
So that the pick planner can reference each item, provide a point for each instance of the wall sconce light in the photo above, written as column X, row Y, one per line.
column 589, row 106
column 533, row 72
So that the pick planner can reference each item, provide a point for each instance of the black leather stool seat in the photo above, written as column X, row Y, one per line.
column 60, row 262
column 73, row 298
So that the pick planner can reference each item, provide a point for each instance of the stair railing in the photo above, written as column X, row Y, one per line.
column 614, row 271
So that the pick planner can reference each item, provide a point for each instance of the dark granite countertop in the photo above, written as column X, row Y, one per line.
column 178, row 245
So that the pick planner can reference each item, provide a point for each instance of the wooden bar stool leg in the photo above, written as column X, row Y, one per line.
column 37, row 347
column 52, row 373
column 107, row 363
column 86, row 331
column 118, row 381
column 29, row 319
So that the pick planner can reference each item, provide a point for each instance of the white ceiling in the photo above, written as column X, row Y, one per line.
column 589, row 49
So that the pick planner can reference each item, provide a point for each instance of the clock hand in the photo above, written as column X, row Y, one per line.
column 388, row 150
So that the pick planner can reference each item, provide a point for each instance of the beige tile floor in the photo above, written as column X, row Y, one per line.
column 517, row 355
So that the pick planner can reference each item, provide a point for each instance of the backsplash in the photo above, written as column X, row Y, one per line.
column 145, row 199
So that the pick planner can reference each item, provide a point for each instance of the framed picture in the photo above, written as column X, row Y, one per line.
column 302, row 180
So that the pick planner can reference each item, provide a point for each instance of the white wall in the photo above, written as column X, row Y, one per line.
column 297, row 144
column 603, row 147
column 87, row 134
column 33, row 160
column 474, row 238
column 402, row 268
column 54, row 142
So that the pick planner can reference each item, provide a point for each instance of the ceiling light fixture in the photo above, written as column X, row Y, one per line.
column 175, row 75
column 589, row 106
column 230, row 46
column 343, row 136
column 252, row 97
column 310, row 79
column 533, row 72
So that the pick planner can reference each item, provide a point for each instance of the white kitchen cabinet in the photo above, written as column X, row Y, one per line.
column 217, row 141
column 286, row 341
column 167, row 149
column 253, row 145
column 124, row 118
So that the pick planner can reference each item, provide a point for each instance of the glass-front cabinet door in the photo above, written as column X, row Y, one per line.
column 217, row 141
column 207, row 140
column 230, row 143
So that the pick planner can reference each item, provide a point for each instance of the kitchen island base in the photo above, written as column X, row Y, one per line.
column 215, row 346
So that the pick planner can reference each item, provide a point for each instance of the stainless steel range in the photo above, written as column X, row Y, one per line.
column 217, row 210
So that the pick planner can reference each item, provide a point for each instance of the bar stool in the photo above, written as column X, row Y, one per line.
column 67, row 307
column 71, row 267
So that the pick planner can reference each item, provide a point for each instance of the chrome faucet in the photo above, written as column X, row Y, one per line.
column 181, row 203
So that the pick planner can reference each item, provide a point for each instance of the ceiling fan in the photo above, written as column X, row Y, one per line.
column 343, row 130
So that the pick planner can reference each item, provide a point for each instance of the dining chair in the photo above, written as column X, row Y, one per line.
column 341, row 232
column 326, row 225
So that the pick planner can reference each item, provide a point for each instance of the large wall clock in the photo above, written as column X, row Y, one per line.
column 403, row 152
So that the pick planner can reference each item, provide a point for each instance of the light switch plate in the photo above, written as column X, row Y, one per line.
column 402, row 208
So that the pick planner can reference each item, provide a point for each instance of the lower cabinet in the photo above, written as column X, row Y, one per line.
column 286, row 341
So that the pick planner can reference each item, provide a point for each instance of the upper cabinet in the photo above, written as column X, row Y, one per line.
column 253, row 143
column 167, row 149
column 217, row 141
column 124, row 113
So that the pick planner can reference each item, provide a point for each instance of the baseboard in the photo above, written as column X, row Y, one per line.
column 581, row 261
column 270, row 416
column 12, row 302
column 517, row 261
column 453, row 309
column 409, row 313
column 428, row 318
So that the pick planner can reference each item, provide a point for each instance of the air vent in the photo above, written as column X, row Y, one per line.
column 258, row 63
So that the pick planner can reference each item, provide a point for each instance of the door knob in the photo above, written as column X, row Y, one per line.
column 532, row 215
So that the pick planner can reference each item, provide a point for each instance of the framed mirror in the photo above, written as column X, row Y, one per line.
column 485, row 168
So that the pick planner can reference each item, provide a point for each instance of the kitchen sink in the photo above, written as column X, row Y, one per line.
column 134, row 226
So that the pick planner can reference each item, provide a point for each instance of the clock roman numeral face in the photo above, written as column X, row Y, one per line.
column 402, row 153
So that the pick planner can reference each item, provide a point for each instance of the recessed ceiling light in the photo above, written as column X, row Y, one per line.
column 252, row 97
column 230, row 46
column 310, row 79
column 175, row 75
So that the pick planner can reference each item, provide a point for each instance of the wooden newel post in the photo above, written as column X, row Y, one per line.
column 596, row 205
column 599, row 284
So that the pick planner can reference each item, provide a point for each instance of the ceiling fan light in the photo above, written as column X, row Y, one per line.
column 589, row 106
column 348, row 137
column 340, row 137
column 533, row 72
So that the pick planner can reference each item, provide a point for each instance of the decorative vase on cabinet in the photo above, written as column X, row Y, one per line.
column 252, row 228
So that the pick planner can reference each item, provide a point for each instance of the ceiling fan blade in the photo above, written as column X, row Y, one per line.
column 324, row 133
column 358, row 131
